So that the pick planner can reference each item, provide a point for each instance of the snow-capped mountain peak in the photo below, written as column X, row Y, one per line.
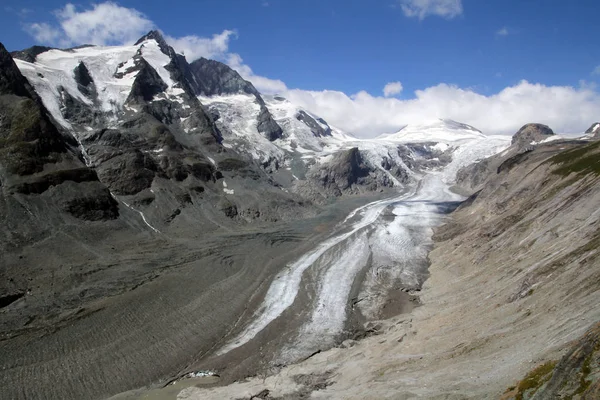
column 439, row 130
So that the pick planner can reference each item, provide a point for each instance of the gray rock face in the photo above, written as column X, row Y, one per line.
column 77, row 111
column 85, row 83
column 531, row 133
column 210, row 78
column 347, row 173
column 147, row 83
column 267, row 125
column 11, row 80
column 595, row 129
column 30, row 54
column 344, row 170
column 162, row 44
column 315, row 128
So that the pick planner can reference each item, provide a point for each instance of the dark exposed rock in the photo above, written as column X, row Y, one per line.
column 240, row 168
column 531, row 133
column 147, row 83
column 44, row 181
column 471, row 177
column 385, row 164
column 184, row 198
column 181, row 73
column 85, row 83
column 204, row 171
column 163, row 110
column 162, row 44
column 28, row 139
column 90, row 201
column 315, row 128
column 9, row 298
column 267, row 125
column 232, row 164
column 82, row 75
column 228, row 208
column 76, row 111
column 128, row 173
column 30, row 53
column 173, row 215
column 594, row 128
column 348, row 173
column 212, row 78
column 144, row 198
column 343, row 171
column 11, row 80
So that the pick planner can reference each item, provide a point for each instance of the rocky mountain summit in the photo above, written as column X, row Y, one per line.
column 531, row 133
column 594, row 130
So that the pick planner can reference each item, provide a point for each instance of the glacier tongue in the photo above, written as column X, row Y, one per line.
column 397, row 249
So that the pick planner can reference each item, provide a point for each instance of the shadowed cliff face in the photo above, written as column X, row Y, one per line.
column 212, row 78
column 35, row 156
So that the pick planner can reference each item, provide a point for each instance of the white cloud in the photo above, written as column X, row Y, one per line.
column 392, row 89
column 596, row 70
column 44, row 33
column 194, row 47
column 103, row 24
column 424, row 8
column 502, row 31
column 564, row 108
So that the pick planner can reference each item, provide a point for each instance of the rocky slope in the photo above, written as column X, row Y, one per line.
column 510, row 307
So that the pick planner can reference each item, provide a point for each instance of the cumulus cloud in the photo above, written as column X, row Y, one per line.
column 424, row 8
column 44, row 33
column 392, row 89
column 565, row 109
column 596, row 70
column 194, row 47
column 102, row 24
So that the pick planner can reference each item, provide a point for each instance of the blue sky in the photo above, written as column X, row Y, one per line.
column 358, row 46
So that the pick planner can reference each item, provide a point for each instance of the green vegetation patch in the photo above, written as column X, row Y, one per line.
column 583, row 160
column 535, row 379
